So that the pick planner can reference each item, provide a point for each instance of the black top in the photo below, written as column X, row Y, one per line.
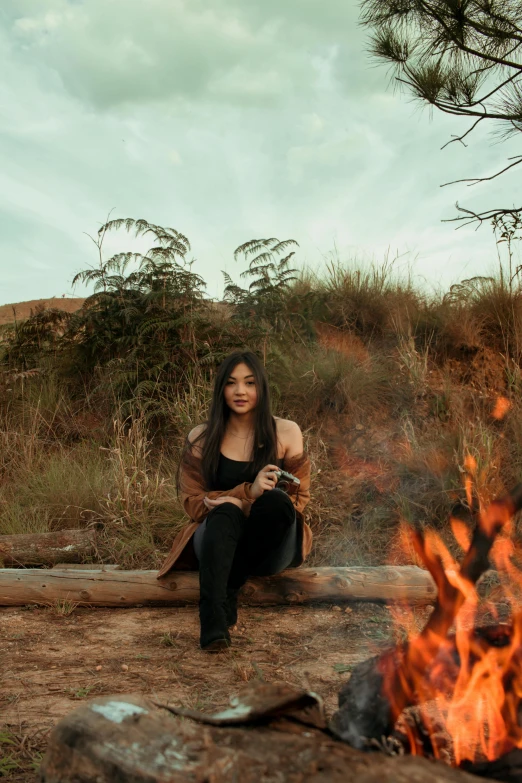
column 232, row 472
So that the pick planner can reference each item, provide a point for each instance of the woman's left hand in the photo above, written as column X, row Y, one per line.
column 209, row 503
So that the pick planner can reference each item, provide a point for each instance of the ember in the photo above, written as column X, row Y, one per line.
column 453, row 696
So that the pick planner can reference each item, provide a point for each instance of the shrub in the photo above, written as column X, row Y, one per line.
column 94, row 407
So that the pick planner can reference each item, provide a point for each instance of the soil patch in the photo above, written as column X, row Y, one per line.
column 49, row 662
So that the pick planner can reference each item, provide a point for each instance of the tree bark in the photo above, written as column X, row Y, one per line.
column 64, row 546
column 87, row 567
column 142, row 588
column 131, row 738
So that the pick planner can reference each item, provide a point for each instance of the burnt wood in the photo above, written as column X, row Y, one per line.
column 365, row 712
column 507, row 768
column 364, row 709
column 129, row 738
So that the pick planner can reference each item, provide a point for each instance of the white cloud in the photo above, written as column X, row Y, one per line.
column 110, row 52
column 174, row 157
column 228, row 120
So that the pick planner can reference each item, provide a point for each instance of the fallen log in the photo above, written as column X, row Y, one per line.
column 63, row 546
column 132, row 738
column 142, row 588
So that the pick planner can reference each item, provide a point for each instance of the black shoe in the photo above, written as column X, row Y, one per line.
column 214, row 634
column 231, row 607
column 217, row 645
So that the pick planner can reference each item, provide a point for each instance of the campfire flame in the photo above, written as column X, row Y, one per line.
column 467, row 685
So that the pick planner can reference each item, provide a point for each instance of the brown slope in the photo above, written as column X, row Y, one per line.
column 21, row 310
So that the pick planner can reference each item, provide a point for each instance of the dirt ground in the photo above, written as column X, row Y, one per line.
column 49, row 662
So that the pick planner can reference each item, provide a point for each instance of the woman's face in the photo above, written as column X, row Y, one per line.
column 240, row 390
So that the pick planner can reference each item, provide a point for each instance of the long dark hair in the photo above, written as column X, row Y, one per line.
column 264, row 449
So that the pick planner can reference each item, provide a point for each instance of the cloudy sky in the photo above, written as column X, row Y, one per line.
column 229, row 120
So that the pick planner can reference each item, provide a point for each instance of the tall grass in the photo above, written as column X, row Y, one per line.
column 371, row 302
column 392, row 388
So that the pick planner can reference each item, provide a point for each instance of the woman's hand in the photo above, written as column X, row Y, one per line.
column 265, row 479
column 210, row 504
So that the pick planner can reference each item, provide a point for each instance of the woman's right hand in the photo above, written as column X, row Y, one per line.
column 265, row 479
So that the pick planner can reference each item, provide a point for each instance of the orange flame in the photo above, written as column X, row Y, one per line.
column 467, row 685
column 470, row 466
column 502, row 405
column 461, row 533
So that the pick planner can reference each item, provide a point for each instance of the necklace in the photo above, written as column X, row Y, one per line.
column 239, row 436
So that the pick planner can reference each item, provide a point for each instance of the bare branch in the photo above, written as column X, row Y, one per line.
column 463, row 136
column 470, row 216
column 475, row 180
column 496, row 89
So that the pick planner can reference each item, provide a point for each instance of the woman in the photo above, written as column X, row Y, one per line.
column 241, row 524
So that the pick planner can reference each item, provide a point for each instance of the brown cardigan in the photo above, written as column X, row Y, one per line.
column 182, row 557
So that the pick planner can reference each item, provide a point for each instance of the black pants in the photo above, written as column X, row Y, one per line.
column 258, row 545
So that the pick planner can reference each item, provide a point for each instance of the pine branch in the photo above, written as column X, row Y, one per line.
column 469, row 216
column 475, row 180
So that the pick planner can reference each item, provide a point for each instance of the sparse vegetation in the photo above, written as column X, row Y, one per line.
column 393, row 388
column 63, row 607
column 168, row 640
column 80, row 693
column 20, row 755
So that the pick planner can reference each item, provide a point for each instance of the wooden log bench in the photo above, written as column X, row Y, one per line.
column 19, row 587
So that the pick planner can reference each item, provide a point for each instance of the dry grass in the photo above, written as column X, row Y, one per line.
column 49, row 485
column 9, row 313
column 387, row 441
column 392, row 392
column 371, row 302
column 63, row 607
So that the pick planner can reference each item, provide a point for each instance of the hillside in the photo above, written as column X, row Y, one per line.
column 22, row 310
column 411, row 413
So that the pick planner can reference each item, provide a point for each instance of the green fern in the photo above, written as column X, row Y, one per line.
column 263, row 302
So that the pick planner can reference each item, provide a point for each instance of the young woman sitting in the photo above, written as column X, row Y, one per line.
column 241, row 524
